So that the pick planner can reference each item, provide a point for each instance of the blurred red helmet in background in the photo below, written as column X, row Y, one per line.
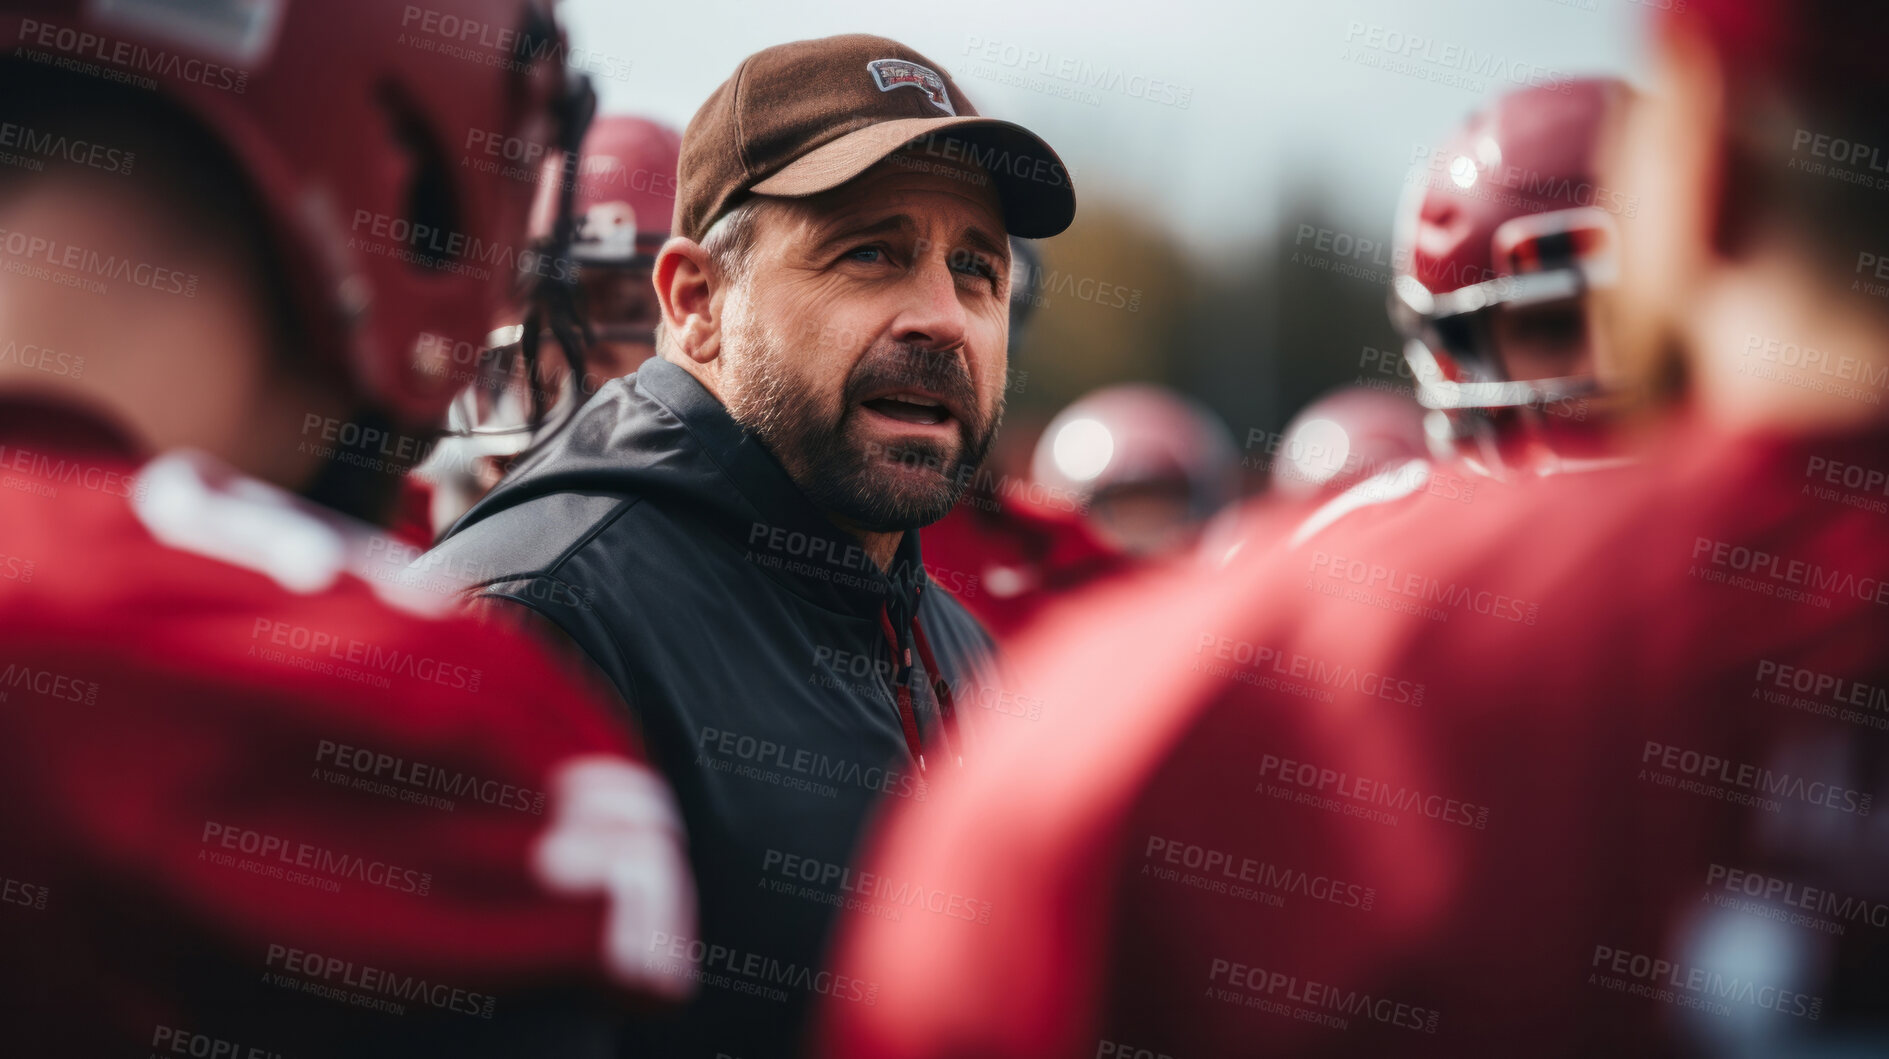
column 626, row 190
column 1148, row 464
column 1344, row 437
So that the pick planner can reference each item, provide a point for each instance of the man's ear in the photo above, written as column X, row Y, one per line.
column 685, row 287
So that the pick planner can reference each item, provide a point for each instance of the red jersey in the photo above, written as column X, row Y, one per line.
column 258, row 804
column 1585, row 766
column 413, row 518
column 1008, row 561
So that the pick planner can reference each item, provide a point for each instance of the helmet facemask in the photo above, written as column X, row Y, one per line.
column 1504, row 363
column 519, row 395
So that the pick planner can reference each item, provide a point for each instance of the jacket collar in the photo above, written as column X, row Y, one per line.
column 779, row 529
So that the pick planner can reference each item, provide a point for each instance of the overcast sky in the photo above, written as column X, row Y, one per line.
column 1342, row 92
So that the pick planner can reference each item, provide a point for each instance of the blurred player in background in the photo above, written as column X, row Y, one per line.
column 1148, row 466
column 1329, row 451
column 1504, row 234
column 1120, row 478
column 258, row 799
column 1343, row 438
column 1502, row 241
column 1587, row 766
column 625, row 197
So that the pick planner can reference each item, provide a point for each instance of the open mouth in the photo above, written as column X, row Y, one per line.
column 909, row 408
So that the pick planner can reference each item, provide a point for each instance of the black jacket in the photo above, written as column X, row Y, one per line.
column 762, row 655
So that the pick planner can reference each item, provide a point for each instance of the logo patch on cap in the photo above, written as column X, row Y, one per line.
column 889, row 74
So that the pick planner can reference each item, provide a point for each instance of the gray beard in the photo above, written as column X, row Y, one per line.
column 862, row 482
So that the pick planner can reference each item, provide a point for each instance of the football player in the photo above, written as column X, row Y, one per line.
column 260, row 797
column 1587, row 766
column 1502, row 239
column 1503, row 235
column 624, row 185
column 1121, row 478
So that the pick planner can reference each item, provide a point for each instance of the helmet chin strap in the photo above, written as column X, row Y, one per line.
column 553, row 298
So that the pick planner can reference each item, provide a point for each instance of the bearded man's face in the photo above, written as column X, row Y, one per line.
column 865, row 343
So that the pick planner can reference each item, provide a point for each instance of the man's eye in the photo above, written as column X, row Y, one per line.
column 870, row 255
column 972, row 264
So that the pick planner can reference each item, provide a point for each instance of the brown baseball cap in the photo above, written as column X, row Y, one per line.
column 798, row 119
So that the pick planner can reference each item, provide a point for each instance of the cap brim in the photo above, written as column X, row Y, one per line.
column 1033, row 185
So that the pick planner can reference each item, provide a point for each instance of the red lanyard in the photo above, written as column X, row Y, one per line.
column 940, row 689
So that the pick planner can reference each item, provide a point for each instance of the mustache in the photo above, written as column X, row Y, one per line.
column 910, row 367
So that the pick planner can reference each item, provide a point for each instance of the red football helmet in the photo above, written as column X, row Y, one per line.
column 622, row 199
column 626, row 196
column 1149, row 465
column 363, row 126
column 1503, row 232
column 602, row 315
column 626, row 191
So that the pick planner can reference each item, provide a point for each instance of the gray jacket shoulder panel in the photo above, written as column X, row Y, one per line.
column 534, row 537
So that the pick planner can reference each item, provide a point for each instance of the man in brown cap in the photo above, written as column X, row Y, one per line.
column 727, row 534
column 840, row 275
